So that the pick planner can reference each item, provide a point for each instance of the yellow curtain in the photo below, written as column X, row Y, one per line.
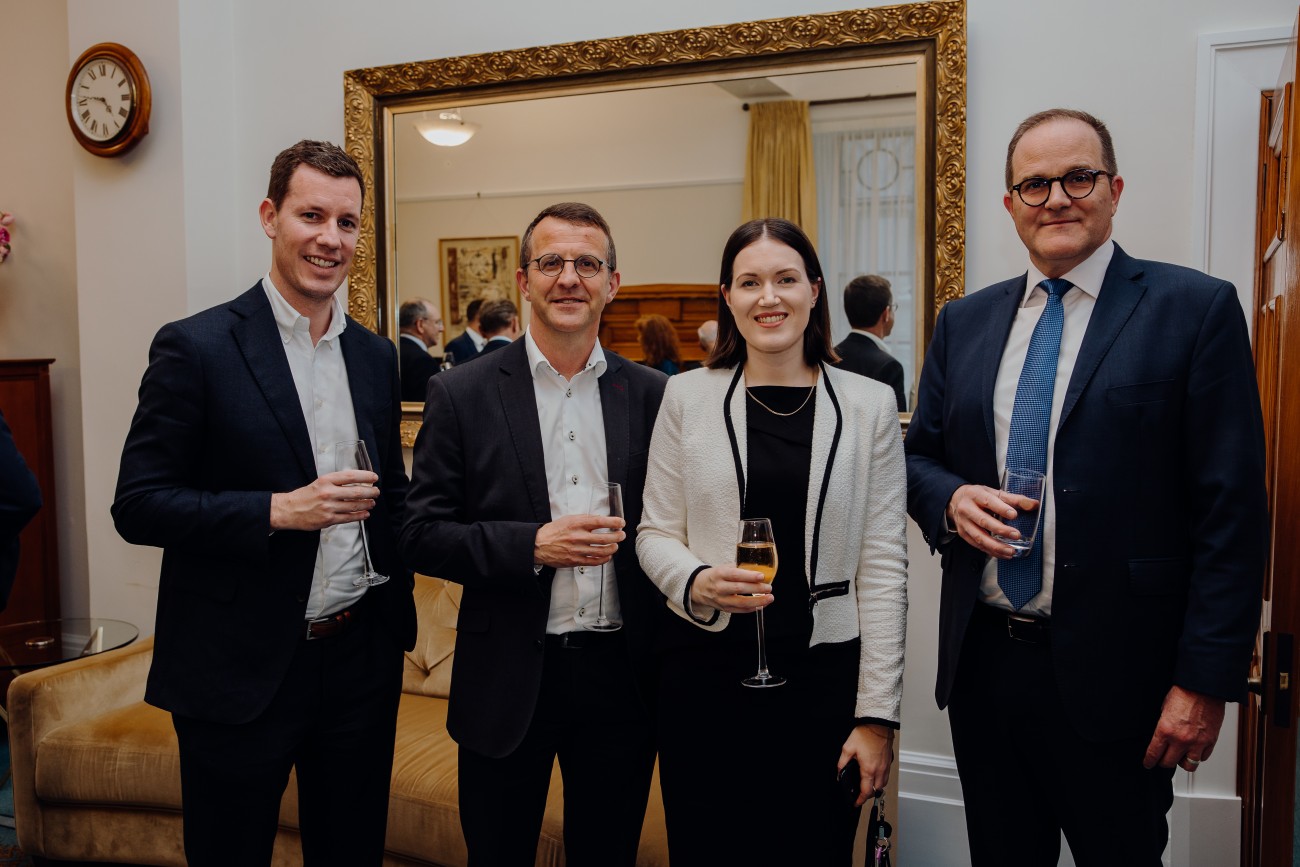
column 779, row 179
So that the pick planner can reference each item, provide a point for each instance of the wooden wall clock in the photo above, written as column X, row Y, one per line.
column 108, row 99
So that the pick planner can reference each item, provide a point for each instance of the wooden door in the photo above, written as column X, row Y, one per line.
column 1269, row 721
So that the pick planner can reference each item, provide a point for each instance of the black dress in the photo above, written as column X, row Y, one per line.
column 748, row 775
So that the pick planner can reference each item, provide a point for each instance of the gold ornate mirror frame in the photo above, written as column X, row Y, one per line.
column 934, row 32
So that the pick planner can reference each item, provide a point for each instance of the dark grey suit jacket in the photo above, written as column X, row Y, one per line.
column 1158, row 482
column 478, row 496
column 860, row 354
column 219, row 428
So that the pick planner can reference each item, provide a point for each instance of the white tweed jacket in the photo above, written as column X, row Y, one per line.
column 855, row 522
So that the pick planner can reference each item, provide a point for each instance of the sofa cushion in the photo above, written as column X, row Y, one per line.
column 428, row 665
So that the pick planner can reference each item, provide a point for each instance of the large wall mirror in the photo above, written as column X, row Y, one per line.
column 652, row 131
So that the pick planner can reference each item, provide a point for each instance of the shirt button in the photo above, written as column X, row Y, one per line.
column 582, row 570
column 574, row 479
column 571, row 436
column 568, row 392
column 319, row 402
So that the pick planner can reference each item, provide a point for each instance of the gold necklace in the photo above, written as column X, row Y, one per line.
column 811, row 389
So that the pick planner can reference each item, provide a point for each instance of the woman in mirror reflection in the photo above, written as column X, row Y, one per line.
column 769, row 429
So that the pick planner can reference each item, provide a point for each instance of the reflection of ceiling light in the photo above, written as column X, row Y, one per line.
column 445, row 127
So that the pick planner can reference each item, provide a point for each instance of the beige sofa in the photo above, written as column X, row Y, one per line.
column 96, row 775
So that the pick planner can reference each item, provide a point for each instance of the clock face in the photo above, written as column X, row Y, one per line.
column 102, row 99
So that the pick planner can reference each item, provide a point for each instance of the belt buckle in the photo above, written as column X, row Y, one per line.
column 1018, row 625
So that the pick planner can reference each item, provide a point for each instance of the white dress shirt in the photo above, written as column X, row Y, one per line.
column 479, row 340
column 321, row 379
column 417, row 341
column 1078, row 304
column 573, row 442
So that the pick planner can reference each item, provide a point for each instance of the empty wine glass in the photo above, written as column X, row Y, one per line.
column 606, row 500
column 352, row 455
column 756, row 550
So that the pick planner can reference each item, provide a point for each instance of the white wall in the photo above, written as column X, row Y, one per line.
column 170, row 228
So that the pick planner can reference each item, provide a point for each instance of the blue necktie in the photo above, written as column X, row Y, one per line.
column 1022, row 578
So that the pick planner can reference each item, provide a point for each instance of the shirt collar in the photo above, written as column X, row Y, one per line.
column 538, row 364
column 874, row 338
column 289, row 320
column 1088, row 275
column 417, row 340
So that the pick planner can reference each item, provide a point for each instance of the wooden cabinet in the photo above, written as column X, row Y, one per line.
column 25, row 402
column 686, row 305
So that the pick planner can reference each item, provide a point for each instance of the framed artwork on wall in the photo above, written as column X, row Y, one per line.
column 475, row 268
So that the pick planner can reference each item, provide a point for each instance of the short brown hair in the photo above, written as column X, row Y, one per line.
column 730, row 350
column 497, row 316
column 865, row 300
column 1107, row 146
column 658, row 339
column 322, row 156
column 569, row 212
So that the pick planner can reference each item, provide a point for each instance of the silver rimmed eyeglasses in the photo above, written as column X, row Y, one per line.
column 552, row 265
column 1077, row 184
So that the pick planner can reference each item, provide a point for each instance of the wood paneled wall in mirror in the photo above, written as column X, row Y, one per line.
column 652, row 130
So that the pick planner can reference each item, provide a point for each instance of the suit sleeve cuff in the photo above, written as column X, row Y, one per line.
column 686, row 600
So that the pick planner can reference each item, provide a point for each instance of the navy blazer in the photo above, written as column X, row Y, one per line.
column 478, row 496
column 20, row 499
column 860, row 354
column 219, row 428
column 1158, row 478
column 461, row 348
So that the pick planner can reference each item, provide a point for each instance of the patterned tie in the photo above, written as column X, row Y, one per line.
column 1021, row 578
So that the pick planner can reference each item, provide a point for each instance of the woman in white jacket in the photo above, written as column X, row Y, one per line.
column 768, row 429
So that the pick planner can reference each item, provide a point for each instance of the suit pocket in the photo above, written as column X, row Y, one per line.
column 1140, row 392
column 1158, row 577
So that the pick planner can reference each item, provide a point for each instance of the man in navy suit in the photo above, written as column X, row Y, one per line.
column 420, row 325
column 469, row 343
column 20, row 499
column 501, row 502
column 1071, row 708
column 266, row 653
column 869, row 305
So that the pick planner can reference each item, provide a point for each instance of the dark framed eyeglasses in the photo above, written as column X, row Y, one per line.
column 1077, row 184
column 552, row 265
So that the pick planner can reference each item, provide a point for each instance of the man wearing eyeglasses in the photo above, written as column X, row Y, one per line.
column 1078, row 676
column 870, row 308
column 501, row 502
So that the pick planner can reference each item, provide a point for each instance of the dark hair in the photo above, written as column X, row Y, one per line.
column 730, row 349
column 569, row 212
column 865, row 300
column 321, row 156
column 1107, row 146
column 411, row 312
column 497, row 316
column 658, row 339
column 472, row 309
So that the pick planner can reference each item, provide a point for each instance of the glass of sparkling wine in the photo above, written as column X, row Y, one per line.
column 352, row 455
column 1023, row 483
column 756, row 551
column 606, row 500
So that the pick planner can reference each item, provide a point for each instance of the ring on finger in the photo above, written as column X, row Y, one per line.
column 1191, row 761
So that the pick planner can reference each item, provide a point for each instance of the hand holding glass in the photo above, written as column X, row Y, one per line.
column 1023, row 483
column 352, row 455
column 756, row 551
column 606, row 500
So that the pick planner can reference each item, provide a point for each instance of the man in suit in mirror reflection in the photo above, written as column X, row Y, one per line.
column 266, row 653
column 420, row 324
column 501, row 502
column 1079, row 676
column 499, row 321
column 469, row 343
column 869, row 305
column 20, row 500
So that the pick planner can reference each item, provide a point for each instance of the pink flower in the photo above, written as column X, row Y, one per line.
column 6, row 219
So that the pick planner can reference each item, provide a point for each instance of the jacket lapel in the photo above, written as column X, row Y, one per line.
column 259, row 341
column 1120, row 293
column 519, row 405
column 614, row 401
column 1004, row 313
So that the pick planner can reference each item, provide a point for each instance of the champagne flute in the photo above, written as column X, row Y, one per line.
column 352, row 455
column 606, row 499
column 448, row 361
column 756, row 550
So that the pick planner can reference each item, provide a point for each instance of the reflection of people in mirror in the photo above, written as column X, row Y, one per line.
column 869, row 305
column 771, row 429
column 502, row 479
column 420, row 326
column 1085, row 671
column 659, row 347
column 469, row 342
column 266, row 653
column 499, row 321
column 20, row 499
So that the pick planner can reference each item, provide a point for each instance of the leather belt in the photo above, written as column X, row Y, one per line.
column 330, row 625
column 1016, row 627
column 579, row 640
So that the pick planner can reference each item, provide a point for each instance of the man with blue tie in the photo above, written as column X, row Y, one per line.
column 1076, row 678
